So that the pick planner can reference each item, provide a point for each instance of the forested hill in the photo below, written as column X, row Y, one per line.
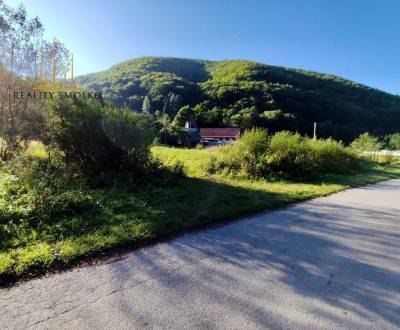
column 244, row 94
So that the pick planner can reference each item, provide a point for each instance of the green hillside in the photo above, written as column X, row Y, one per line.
column 245, row 94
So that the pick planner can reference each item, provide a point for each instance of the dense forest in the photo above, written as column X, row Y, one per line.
column 246, row 94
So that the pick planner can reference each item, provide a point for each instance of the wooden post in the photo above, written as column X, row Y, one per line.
column 315, row 130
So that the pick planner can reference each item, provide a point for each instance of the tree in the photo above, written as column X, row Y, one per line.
column 183, row 116
column 248, row 117
column 165, row 121
column 228, row 87
column 17, row 53
column 394, row 141
column 277, row 120
column 175, row 102
column 146, row 107
column 367, row 142
column 245, row 119
column 21, row 49
column 96, row 139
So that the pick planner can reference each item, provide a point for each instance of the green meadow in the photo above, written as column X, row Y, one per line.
column 134, row 215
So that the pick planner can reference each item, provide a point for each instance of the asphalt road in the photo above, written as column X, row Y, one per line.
column 330, row 263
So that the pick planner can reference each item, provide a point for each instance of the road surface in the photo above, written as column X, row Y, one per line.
column 330, row 263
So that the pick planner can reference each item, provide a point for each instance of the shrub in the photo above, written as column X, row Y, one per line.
column 330, row 156
column 44, row 188
column 244, row 156
column 287, row 156
column 85, row 144
column 393, row 141
column 101, row 142
column 177, row 168
column 25, row 211
column 284, row 155
column 248, row 151
column 50, row 172
column 173, row 136
column 367, row 142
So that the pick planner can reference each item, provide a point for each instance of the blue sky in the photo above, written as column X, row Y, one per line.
column 355, row 39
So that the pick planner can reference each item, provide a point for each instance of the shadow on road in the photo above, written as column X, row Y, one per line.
column 319, row 252
column 329, row 263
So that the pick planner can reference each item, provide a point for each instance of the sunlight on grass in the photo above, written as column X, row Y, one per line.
column 194, row 160
column 36, row 149
column 127, row 216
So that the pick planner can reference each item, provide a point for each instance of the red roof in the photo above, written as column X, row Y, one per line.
column 219, row 132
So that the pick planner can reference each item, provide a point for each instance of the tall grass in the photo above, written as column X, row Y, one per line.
column 284, row 155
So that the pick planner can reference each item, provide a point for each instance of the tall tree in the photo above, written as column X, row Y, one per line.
column 165, row 121
column 22, row 51
column 146, row 106
column 175, row 101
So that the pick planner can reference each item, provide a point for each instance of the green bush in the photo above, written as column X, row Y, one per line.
column 37, row 199
column 293, row 156
column 367, row 142
column 287, row 156
column 244, row 156
column 332, row 157
column 173, row 135
column 249, row 150
column 393, row 141
column 283, row 155
column 86, row 144
column 101, row 142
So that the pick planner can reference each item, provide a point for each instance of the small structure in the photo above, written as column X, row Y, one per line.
column 210, row 136
column 193, row 132
column 219, row 136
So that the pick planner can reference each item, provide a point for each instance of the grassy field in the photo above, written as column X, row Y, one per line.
column 133, row 216
column 194, row 160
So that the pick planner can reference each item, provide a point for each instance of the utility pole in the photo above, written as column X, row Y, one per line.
column 315, row 130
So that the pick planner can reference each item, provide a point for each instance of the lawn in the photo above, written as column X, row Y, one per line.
column 132, row 216
column 194, row 160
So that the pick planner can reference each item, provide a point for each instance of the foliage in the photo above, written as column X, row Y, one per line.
column 246, row 94
column 173, row 135
column 182, row 116
column 393, row 141
column 293, row 156
column 87, row 222
column 244, row 156
column 99, row 141
column 367, row 142
column 284, row 155
column 22, row 47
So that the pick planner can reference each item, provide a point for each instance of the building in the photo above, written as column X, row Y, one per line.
column 192, row 132
column 210, row 136
column 218, row 136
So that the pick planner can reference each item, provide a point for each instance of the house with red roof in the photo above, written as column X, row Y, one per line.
column 210, row 136
column 218, row 136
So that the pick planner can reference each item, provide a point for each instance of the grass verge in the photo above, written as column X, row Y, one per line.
column 134, row 216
